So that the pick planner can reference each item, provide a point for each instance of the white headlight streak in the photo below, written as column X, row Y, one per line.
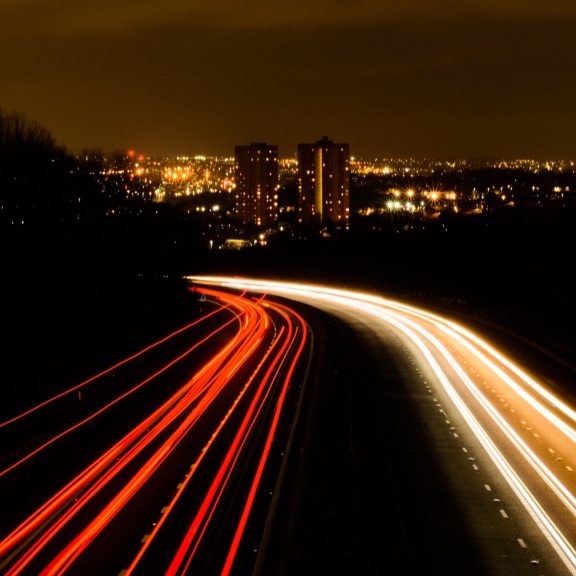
column 418, row 326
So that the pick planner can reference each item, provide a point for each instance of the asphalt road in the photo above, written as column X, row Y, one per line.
column 391, row 478
column 165, row 463
column 404, row 447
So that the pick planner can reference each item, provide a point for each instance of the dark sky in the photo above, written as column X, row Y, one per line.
column 393, row 78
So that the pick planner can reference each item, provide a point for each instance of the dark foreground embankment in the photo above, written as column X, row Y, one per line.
column 80, row 297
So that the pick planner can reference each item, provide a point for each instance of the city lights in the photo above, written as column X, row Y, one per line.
column 406, row 183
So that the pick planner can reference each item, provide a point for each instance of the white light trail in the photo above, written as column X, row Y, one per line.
column 410, row 321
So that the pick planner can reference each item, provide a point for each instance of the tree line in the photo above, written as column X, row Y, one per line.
column 42, row 183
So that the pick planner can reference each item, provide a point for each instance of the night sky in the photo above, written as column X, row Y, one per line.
column 445, row 79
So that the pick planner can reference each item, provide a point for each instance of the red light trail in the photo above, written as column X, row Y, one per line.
column 248, row 374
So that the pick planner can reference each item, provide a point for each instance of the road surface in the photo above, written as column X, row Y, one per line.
column 294, row 429
column 456, row 459
column 164, row 463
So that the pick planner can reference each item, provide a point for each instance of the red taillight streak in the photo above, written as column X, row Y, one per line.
column 244, row 344
column 216, row 487
column 256, row 481
column 51, row 507
column 264, row 391
column 115, row 401
column 108, row 370
column 68, row 555
column 194, row 534
column 189, row 476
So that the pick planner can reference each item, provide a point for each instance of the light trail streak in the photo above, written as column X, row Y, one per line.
column 173, row 407
column 470, row 340
column 166, row 427
column 83, row 384
column 245, row 427
column 539, row 389
column 412, row 323
column 80, row 543
column 185, row 555
column 248, row 507
column 97, row 413
column 211, row 499
column 545, row 473
column 549, row 529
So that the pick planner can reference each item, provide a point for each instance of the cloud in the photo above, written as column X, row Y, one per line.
column 169, row 74
column 127, row 16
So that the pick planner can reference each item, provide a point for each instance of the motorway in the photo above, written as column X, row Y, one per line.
column 159, row 464
column 457, row 460
column 295, row 429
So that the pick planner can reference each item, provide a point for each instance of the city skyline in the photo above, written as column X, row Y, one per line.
column 395, row 79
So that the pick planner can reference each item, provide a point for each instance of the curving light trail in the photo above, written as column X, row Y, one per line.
column 466, row 365
column 240, row 392
column 32, row 412
column 229, row 414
